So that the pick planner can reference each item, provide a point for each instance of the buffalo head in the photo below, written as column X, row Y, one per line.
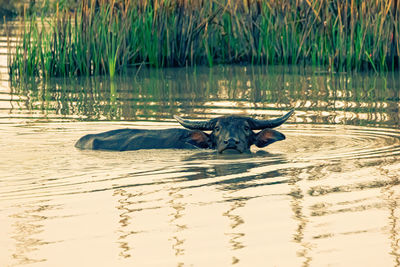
column 235, row 133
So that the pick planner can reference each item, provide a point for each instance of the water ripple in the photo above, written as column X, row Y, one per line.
column 56, row 168
column 343, row 142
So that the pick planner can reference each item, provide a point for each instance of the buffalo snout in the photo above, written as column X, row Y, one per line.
column 231, row 144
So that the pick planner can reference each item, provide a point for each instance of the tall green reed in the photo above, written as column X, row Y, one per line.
column 105, row 36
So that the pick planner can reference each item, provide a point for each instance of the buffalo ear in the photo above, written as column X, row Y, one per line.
column 267, row 137
column 199, row 139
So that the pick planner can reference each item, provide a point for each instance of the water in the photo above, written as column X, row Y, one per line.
column 327, row 195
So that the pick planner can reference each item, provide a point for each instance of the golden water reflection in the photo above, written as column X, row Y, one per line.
column 309, row 200
column 217, row 214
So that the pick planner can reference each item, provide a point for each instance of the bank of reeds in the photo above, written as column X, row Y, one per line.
column 106, row 36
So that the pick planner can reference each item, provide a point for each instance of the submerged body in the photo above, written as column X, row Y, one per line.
column 135, row 139
column 227, row 133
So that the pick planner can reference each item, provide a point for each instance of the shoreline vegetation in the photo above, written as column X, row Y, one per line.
column 104, row 37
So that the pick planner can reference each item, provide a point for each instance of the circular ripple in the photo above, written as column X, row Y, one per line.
column 49, row 165
column 307, row 142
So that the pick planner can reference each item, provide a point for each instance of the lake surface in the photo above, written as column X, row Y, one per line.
column 327, row 195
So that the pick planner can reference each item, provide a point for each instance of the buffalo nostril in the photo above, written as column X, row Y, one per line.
column 231, row 141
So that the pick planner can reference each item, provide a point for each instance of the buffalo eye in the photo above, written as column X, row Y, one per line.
column 217, row 128
column 246, row 128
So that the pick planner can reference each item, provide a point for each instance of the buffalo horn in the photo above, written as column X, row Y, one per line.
column 194, row 125
column 262, row 124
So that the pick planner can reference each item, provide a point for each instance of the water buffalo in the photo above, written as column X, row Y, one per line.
column 226, row 134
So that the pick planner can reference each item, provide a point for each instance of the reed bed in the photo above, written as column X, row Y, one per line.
column 106, row 36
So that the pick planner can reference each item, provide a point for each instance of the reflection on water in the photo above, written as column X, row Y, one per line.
column 392, row 203
column 158, row 94
column 28, row 224
column 327, row 195
column 308, row 201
